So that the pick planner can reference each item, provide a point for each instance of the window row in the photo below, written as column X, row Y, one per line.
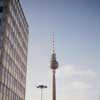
column 16, row 41
column 15, row 37
column 15, row 13
column 9, row 81
column 7, row 94
column 19, row 11
column 17, row 58
column 9, row 64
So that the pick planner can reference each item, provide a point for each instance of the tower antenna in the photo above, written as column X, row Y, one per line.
column 53, row 42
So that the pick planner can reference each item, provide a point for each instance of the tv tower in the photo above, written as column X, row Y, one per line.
column 53, row 66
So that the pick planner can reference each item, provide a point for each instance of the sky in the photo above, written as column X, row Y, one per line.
column 76, row 24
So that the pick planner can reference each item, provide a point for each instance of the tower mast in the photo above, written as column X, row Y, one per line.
column 54, row 66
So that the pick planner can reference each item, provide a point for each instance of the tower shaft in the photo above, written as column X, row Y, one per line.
column 54, row 86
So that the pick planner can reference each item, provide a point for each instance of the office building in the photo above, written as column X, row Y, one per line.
column 13, row 50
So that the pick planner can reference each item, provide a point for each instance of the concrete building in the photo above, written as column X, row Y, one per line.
column 13, row 50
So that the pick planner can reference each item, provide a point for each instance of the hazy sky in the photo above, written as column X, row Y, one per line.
column 76, row 24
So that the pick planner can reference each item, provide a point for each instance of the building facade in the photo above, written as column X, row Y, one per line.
column 13, row 50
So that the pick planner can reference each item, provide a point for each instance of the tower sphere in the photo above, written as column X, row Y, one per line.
column 54, row 63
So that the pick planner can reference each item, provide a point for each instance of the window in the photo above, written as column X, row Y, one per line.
column 0, row 21
column 0, row 72
column 0, row 44
column 1, row 9
column 0, row 87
